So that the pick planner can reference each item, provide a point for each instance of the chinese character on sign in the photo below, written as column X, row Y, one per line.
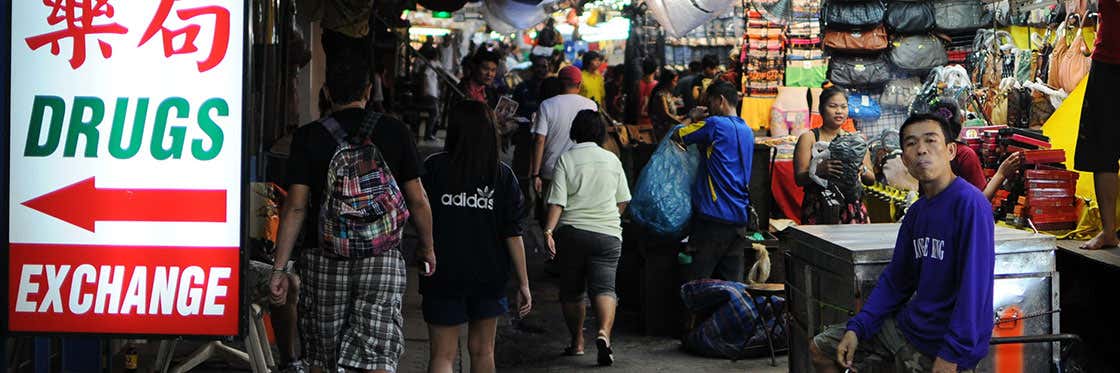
column 79, row 16
column 217, row 46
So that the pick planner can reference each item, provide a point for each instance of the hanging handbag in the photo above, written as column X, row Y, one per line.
column 910, row 17
column 1018, row 105
column 919, row 53
column 1041, row 110
column 862, row 107
column 1075, row 63
column 1036, row 13
column 1000, row 11
column 1024, row 62
column 900, row 93
column 955, row 16
column 866, row 41
column 858, row 71
column 1057, row 54
column 999, row 102
column 853, row 16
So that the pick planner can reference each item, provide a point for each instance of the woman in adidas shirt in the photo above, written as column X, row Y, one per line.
column 476, row 213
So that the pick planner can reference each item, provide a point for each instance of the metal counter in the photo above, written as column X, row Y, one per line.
column 831, row 269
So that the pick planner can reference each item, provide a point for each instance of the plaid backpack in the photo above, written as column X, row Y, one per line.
column 363, row 211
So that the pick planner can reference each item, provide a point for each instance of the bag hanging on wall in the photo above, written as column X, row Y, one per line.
column 862, row 107
column 900, row 93
column 954, row 16
column 853, row 16
column 1000, row 11
column 859, row 41
column 1018, row 106
column 1036, row 13
column 1074, row 63
column 999, row 102
column 919, row 53
column 857, row 71
column 910, row 17
column 945, row 83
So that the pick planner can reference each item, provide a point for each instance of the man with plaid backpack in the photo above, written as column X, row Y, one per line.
column 358, row 173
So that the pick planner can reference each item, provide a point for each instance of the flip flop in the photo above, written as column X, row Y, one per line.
column 571, row 351
column 606, row 355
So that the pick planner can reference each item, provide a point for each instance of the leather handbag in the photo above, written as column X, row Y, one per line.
column 859, row 71
column 1075, row 62
column 910, row 18
column 853, row 16
column 919, row 53
column 873, row 40
column 956, row 16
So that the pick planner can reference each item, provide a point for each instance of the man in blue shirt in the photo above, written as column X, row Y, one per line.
column 943, row 263
column 720, row 199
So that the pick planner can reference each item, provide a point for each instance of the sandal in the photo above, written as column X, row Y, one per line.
column 572, row 351
column 606, row 355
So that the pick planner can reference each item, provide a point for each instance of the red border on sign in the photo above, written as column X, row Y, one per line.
column 59, row 317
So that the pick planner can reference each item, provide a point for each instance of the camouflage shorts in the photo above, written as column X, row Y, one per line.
column 887, row 348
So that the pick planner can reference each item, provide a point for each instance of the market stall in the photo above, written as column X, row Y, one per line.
column 833, row 268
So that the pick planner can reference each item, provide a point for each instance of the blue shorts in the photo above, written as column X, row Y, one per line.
column 449, row 311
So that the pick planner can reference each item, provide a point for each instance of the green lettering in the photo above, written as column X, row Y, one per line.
column 35, row 128
column 177, row 133
column 136, row 139
column 210, row 128
column 79, row 126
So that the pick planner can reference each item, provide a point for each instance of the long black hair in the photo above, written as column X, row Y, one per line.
column 472, row 144
column 665, row 80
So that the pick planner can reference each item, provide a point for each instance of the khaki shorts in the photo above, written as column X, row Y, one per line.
column 886, row 348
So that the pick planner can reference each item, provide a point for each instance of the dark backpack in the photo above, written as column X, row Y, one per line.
column 363, row 210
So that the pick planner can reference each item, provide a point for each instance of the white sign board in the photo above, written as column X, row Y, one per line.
column 126, row 159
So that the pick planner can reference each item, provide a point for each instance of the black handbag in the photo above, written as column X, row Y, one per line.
column 954, row 16
column 910, row 18
column 853, row 16
column 858, row 71
column 919, row 53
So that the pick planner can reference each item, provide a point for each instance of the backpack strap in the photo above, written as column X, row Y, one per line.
column 334, row 128
column 369, row 123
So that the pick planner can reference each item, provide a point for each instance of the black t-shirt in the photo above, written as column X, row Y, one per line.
column 313, row 147
column 470, row 227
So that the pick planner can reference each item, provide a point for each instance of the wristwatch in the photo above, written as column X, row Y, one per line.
column 548, row 232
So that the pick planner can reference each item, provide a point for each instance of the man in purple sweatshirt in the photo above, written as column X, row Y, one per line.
column 932, row 308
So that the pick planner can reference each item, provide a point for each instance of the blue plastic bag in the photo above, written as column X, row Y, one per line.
column 662, row 200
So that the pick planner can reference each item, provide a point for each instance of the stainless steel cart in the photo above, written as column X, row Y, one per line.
column 831, row 269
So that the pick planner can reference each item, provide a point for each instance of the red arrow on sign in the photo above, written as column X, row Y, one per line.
column 82, row 204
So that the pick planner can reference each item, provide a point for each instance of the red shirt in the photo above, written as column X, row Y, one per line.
column 476, row 92
column 967, row 165
column 1107, row 48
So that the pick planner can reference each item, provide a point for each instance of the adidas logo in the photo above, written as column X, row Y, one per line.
column 482, row 199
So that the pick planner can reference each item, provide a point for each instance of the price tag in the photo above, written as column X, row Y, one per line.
column 865, row 101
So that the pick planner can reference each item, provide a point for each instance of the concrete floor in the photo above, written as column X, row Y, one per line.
column 535, row 345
